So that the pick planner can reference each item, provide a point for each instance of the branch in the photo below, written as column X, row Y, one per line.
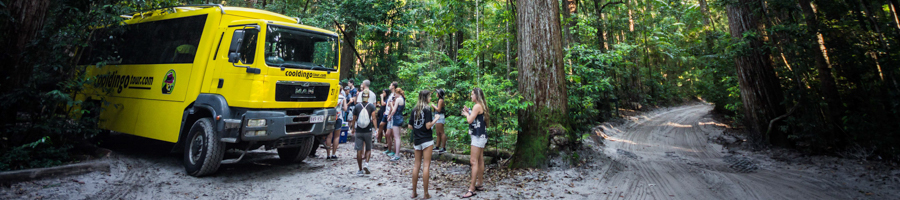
column 361, row 62
column 772, row 122
column 608, row 4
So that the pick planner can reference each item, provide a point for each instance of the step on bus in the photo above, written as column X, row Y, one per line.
column 210, row 78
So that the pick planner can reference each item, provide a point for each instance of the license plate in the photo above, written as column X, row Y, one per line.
column 317, row 119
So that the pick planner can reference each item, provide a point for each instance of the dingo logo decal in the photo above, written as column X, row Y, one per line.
column 168, row 82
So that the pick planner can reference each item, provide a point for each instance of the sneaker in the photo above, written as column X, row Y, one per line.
column 391, row 154
column 395, row 158
column 366, row 167
column 387, row 151
column 360, row 173
column 334, row 157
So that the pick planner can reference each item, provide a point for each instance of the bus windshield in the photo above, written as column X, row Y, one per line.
column 294, row 48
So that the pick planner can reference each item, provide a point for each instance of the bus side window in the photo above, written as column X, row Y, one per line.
column 244, row 42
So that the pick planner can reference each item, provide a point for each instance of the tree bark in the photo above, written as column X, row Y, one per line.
column 348, row 57
column 705, row 11
column 828, row 85
column 26, row 21
column 570, row 7
column 760, row 90
column 541, row 80
column 601, row 35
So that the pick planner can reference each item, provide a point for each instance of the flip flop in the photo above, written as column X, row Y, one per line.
column 470, row 196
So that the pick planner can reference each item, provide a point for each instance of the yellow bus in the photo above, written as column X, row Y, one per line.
column 210, row 78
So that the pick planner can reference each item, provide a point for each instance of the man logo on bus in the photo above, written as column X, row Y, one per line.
column 169, row 82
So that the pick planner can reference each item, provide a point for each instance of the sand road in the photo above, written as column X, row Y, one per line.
column 668, row 155
column 663, row 154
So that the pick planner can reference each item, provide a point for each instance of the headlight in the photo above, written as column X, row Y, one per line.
column 332, row 118
column 316, row 119
column 256, row 122
column 254, row 133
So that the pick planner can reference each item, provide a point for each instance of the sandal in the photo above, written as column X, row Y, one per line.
column 466, row 196
column 479, row 188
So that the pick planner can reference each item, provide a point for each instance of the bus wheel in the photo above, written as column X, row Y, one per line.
column 202, row 152
column 296, row 154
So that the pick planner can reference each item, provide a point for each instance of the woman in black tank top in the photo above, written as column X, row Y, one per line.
column 478, row 119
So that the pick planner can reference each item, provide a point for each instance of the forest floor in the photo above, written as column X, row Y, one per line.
column 668, row 153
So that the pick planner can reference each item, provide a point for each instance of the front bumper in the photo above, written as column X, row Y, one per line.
column 283, row 127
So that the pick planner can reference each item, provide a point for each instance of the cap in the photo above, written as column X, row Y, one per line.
column 365, row 96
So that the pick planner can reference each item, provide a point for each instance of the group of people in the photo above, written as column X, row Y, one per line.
column 384, row 118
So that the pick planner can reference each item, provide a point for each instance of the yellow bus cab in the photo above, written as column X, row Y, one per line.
column 210, row 78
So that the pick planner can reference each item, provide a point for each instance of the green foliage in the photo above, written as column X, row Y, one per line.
column 589, row 86
column 432, row 70
column 43, row 116
column 40, row 153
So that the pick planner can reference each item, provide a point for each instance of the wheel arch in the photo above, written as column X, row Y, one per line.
column 206, row 105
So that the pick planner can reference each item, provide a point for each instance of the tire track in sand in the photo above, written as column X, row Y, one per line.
column 667, row 155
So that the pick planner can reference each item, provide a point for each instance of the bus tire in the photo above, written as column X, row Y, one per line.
column 296, row 154
column 202, row 151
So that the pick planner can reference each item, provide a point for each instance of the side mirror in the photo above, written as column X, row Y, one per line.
column 234, row 57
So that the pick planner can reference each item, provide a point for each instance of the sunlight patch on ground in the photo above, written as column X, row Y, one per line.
column 677, row 125
column 714, row 123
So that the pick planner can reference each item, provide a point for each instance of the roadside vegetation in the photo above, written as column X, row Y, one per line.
column 831, row 66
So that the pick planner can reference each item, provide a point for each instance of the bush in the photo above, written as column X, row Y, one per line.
column 424, row 72
column 41, row 117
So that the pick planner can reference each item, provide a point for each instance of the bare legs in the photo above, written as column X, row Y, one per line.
column 397, row 139
column 423, row 158
column 360, row 154
column 441, row 137
column 332, row 143
column 378, row 133
column 477, row 161
column 388, row 137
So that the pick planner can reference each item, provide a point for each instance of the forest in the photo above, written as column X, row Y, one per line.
column 817, row 76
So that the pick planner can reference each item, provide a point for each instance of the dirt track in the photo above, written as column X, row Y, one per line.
column 668, row 155
column 665, row 154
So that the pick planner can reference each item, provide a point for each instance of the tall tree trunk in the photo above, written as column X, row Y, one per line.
column 508, row 56
column 26, row 19
column 541, row 80
column 601, row 34
column 760, row 90
column 705, row 11
column 601, row 41
column 348, row 57
column 828, row 86
column 570, row 8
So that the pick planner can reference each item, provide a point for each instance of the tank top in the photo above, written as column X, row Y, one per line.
column 477, row 127
column 400, row 107
column 442, row 108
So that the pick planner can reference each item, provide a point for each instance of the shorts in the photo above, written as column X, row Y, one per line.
column 363, row 139
column 440, row 119
column 479, row 141
column 397, row 120
column 423, row 145
column 383, row 119
column 338, row 124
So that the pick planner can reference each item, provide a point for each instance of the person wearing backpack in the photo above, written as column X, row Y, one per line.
column 363, row 115
column 421, row 121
